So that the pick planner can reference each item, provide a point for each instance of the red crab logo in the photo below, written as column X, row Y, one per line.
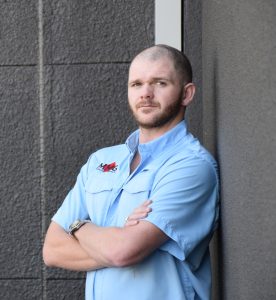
column 108, row 167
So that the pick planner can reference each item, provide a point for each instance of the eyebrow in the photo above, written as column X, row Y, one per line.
column 152, row 79
column 161, row 78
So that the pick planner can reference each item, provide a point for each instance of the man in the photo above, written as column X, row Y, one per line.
column 140, row 216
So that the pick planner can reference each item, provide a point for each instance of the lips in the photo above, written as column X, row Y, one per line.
column 146, row 105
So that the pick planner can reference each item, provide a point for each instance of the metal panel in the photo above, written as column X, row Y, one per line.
column 168, row 23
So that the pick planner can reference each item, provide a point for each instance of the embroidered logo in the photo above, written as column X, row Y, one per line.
column 108, row 167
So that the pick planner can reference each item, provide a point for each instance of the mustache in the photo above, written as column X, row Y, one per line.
column 147, row 103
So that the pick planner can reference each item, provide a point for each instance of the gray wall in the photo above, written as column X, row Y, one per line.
column 239, row 121
column 192, row 46
column 232, row 46
column 63, row 75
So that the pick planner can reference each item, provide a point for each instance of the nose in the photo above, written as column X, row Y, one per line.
column 147, row 92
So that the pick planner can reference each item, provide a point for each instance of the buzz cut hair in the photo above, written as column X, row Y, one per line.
column 180, row 61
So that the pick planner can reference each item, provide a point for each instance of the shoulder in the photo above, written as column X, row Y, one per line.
column 189, row 163
column 189, row 171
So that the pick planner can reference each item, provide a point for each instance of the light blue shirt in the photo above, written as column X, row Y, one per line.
column 180, row 176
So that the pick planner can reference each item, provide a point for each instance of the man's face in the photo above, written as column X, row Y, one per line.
column 154, row 92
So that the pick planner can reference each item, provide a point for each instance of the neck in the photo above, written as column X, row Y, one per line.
column 149, row 134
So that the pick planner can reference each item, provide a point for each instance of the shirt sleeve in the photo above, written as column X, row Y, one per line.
column 185, row 207
column 74, row 205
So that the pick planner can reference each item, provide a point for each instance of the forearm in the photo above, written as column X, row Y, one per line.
column 119, row 247
column 64, row 251
column 104, row 243
column 99, row 242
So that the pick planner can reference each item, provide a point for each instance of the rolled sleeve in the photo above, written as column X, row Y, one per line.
column 185, row 205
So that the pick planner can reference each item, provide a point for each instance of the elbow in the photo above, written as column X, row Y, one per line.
column 118, row 261
column 120, row 258
column 48, row 256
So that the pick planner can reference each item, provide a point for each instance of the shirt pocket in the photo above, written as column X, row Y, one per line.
column 98, row 193
column 134, row 193
column 139, row 186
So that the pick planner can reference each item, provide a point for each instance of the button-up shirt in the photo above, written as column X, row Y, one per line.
column 180, row 177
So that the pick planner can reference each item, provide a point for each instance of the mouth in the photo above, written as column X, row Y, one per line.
column 146, row 105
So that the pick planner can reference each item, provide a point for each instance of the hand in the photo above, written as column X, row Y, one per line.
column 139, row 213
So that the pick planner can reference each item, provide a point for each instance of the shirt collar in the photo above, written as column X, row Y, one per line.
column 157, row 146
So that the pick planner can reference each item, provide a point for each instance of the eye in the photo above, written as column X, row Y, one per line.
column 161, row 83
column 135, row 84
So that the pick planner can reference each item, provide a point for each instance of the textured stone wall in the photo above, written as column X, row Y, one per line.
column 63, row 94
column 239, row 115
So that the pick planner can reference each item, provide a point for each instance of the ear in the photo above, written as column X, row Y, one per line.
column 188, row 93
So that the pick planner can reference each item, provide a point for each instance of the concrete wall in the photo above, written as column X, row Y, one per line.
column 239, row 120
column 232, row 46
column 192, row 46
column 20, row 221
column 63, row 72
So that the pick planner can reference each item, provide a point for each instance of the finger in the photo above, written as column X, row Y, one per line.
column 147, row 202
column 138, row 216
column 131, row 223
column 144, row 207
column 143, row 211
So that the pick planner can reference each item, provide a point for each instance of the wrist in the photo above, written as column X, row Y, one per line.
column 76, row 225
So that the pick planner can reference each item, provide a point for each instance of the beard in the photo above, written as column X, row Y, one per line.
column 160, row 119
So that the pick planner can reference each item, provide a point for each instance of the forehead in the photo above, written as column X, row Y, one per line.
column 143, row 68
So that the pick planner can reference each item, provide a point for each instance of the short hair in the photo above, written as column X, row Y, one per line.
column 181, row 62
